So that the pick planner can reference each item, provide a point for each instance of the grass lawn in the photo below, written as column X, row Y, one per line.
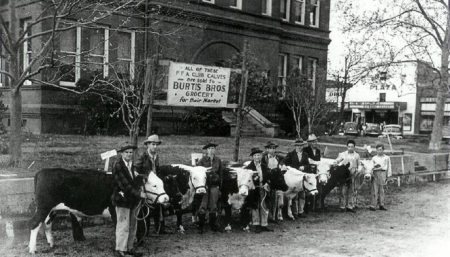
column 76, row 151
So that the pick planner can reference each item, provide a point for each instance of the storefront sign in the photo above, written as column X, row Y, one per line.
column 197, row 85
column 373, row 105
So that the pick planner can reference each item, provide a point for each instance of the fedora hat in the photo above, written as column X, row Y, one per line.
column 255, row 150
column 270, row 144
column 153, row 139
column 126, row 146
column 312, row 137
column 208, row 145
column 299, row 142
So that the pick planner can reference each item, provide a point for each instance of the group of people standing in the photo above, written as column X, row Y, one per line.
column 127, row 192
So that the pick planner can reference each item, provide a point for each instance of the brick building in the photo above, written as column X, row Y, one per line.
column 283, row 34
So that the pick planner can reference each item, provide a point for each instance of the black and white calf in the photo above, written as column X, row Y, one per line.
column 81, row 192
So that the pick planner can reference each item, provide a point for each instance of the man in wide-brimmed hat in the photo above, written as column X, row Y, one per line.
column 276, row 196
column 298, row 159
column 257, row 198
column 312, row 149
column 126, row 196
column 214, row 181
column 146, row 162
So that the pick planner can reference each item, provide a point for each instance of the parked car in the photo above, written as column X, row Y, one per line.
column 351, row 128
column 373, row 129
column 393, row 130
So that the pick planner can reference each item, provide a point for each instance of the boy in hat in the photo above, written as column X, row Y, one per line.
column 273, row 161
column 210, row 199
column 381, row 170
column 126, row 196
column 347, row 195
column 146, row 162
column 298, row 159
column 257, row 198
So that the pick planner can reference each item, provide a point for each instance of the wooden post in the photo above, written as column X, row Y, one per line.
column 390, row 144
column 151, row 90
column 241, row 103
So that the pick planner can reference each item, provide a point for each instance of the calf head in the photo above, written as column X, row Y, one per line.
column 197, row 177
column 276, row 178
column 172, row 188
column 154, row 189
column 323, row 172
column 366, row 167
column 310, row 184
column 244, row 180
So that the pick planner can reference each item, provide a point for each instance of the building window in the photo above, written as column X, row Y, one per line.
column 26, row 48
column 282, row 74
column 266, row 7
column 298, row 63
column 208, row 1
column 312, row 70
column 382, row 97
column 95, row 48
column 70, row 56
column 314, row 13
column 299, row 6
column 124, row 67
column 236, row 4
column 285, row 9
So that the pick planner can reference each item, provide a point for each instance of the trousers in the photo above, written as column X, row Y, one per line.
column 277, row 201
column 377, row 189
column 125, row 228
column 209, row 201
column 260, row 215
column 347, row 195
column 298, row 203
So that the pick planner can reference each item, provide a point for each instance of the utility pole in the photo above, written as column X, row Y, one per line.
column 154, row 78
column 241, row 103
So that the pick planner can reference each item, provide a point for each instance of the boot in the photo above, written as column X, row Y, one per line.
column 201, row 222
column 212, row 222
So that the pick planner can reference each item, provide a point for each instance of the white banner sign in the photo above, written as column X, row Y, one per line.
column 197, row 85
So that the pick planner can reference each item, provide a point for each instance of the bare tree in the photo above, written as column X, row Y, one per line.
column 35, row 39
column 414, row 30
column 302, row 99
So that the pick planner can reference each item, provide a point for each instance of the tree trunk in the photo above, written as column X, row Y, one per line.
column 15, row 132
column 442, row 92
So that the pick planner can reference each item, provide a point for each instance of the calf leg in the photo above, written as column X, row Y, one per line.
column 35, row 224
column 289, row 207
column 48, row 233
column 77, row 230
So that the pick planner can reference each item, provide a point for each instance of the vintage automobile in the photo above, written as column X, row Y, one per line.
column 373, row 129
column 393, row 130
column 351, row 128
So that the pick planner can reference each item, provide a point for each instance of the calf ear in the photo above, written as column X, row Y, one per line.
column 347, row 165
column 208, row 169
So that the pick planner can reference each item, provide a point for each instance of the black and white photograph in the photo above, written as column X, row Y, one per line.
column 224, row 128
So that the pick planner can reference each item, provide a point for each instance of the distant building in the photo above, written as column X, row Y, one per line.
column 405, row 95
column 283, row 34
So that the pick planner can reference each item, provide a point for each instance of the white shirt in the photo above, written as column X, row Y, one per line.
column 384, row 162
column 352, row 158
column 129, row 165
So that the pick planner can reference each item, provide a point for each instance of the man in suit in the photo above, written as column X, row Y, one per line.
column 210, row 199
column 276, row 196
column 146, row 162
column 298, row 159
column 126, row 196
column 258, row 198
column 313, row 152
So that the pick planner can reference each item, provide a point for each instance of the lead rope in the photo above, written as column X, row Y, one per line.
column 146, row 207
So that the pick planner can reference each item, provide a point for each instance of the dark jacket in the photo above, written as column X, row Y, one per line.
column 144, row 163
column 215, row 176
column 293, row 161
column 126, row 192
column 315, row 155
column 253, row 198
